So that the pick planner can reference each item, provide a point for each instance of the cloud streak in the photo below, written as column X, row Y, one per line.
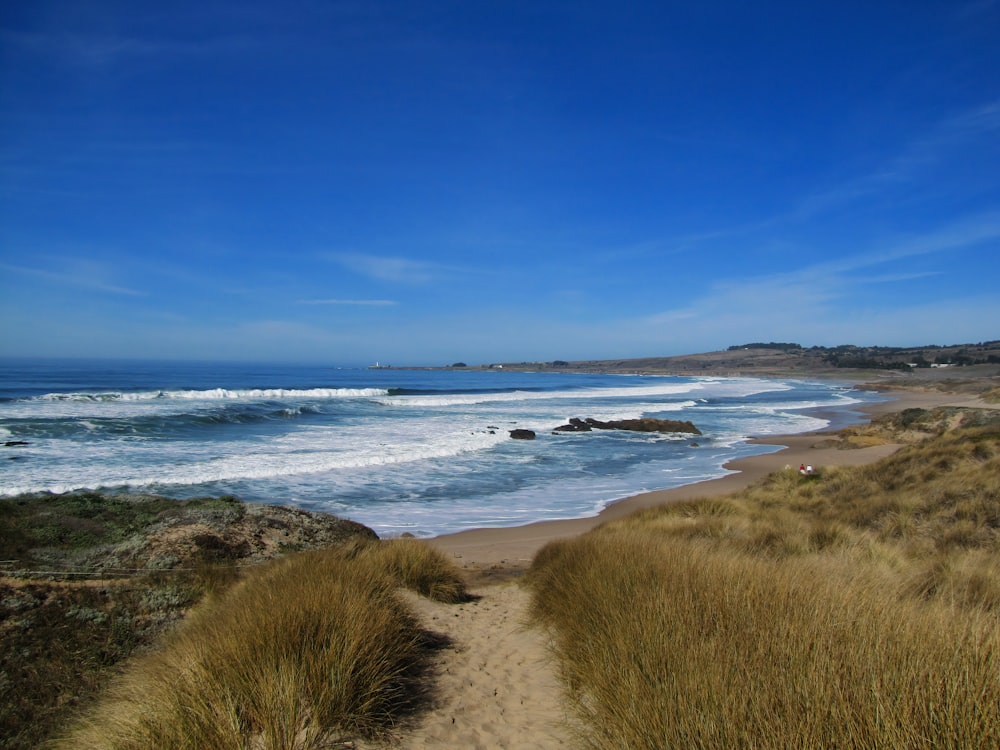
column 393, row 270
column 936, row 145
column 968, row 232
column 350, row 302
column 819, row 299
column 81, row 275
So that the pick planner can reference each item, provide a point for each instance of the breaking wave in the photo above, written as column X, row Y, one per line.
column 221, row 394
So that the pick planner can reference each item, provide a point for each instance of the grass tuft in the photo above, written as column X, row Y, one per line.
column 306, row 649
column 422, row 569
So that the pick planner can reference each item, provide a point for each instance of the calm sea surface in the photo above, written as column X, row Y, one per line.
column 425, row 452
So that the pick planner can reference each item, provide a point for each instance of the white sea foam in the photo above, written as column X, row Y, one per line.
column 308, row 452
column 221, row 394
column 114, row 405
column 433, row 462
column 471, row 399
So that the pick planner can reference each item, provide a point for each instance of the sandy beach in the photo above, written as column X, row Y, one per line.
column 515, row 546
column 495, row 684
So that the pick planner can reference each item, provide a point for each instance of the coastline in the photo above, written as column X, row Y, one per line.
column 515, row 546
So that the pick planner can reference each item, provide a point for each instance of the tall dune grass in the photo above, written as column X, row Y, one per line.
column 420, row 568
column 856, row 610
column 309, row 647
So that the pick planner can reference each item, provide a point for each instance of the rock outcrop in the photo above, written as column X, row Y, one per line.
column 107, row 532
column 521, row 434
column 646, row 424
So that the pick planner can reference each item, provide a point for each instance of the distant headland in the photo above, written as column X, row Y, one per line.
column 782, row 359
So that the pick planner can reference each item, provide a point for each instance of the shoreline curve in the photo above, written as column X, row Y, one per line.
column 515, row 546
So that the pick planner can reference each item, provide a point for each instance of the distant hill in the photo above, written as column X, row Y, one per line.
column 785, row 359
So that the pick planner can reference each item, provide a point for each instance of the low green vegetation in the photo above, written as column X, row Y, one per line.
column 91, row 580
column 37, row 528
column 853, row 609
column 304, row 651
column 61, row 641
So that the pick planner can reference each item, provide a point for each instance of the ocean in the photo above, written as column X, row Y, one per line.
column 420, row 451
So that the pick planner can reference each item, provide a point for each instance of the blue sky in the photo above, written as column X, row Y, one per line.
column 429, row 182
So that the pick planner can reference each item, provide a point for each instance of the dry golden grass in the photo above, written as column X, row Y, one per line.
column 857, row 608
column 308, row 648
column 864, row 441
column 911, row 426
column 420, row 568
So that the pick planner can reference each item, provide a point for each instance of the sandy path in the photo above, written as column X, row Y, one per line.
column 495, row 686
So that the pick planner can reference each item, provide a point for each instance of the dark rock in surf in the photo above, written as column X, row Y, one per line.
column 521, row 434
column 575, row 425
column 646, row 424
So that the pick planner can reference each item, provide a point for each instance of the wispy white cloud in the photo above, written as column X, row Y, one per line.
column 934, row 146
column 392, row 269
column 892, row 278
column 970, row 231
column 822, row 303
column 359, row 302
column 77, row 273
column 785, row 311
column 975, row 121
column 939, row 143
column 923, row 153
column 732, row 303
